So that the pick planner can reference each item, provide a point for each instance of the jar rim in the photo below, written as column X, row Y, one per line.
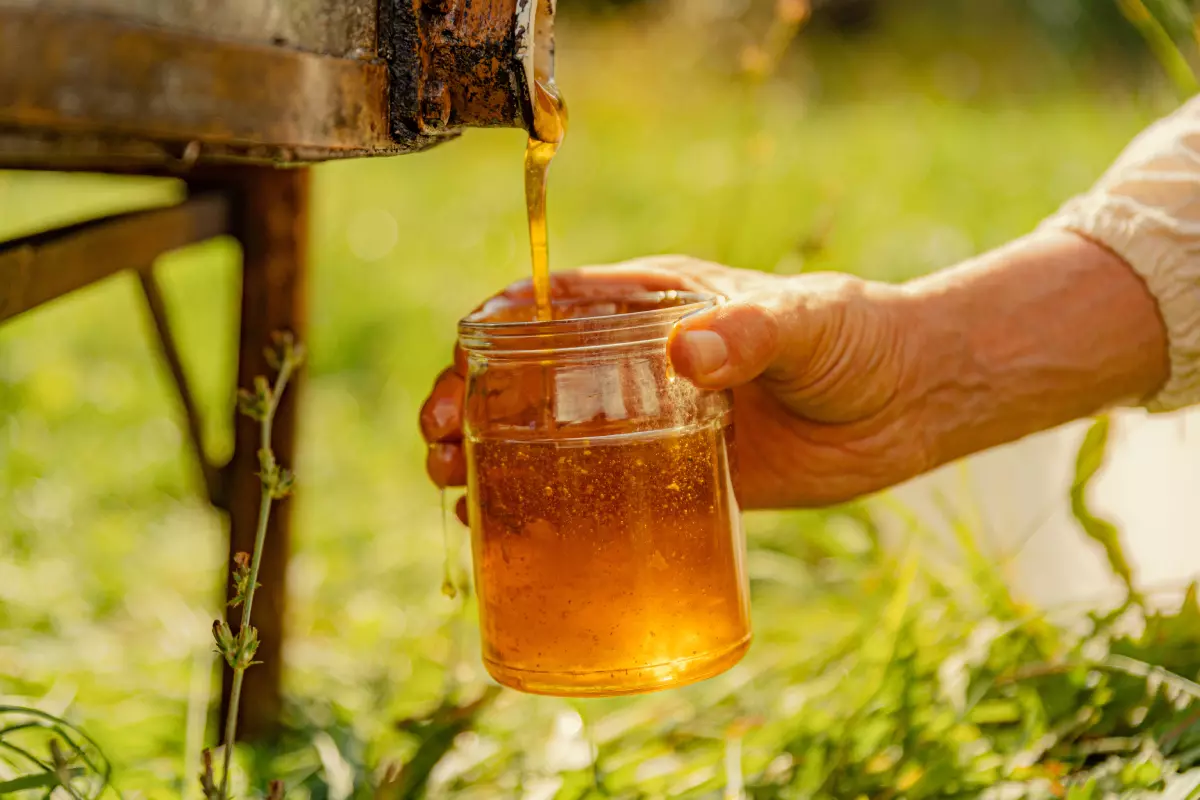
column 643, row 326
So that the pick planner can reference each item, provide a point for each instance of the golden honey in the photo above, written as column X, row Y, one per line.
column 550, row 126
column 606, row 537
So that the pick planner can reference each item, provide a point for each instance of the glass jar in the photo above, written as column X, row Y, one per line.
column 608, row 549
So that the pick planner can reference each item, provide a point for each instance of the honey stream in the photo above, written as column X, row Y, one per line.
column 550, row 125
column 549, row 128
column 609, row 564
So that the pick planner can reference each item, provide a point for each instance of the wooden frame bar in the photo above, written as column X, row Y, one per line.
column 213, row 486
column 37, row 269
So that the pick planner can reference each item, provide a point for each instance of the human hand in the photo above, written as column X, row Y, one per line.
column 823, row 368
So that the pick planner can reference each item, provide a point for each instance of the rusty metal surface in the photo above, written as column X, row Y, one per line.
column 535, row 50
column 133, row 86
column 25, row 148
column 37, row 269
column 454, row 64
column 334, row 27
column 78, row 89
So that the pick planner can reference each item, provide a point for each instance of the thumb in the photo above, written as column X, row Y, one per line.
column 729, row 345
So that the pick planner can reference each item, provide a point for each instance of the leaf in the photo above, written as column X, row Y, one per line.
column 241, row 579
column 80, row 744
column 995, row 712
column 1158, row 39
column 438, row 731
column 208, row 784
column 1182, row 787
column 45, row 780
column 339, row 774
column 1168, row 640
column 1087, row 463
column 226, row 644
column 1086, row 791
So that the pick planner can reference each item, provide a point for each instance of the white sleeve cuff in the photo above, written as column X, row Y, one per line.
column 1165, row 252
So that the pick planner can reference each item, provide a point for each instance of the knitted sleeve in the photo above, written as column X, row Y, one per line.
column 1146, row 209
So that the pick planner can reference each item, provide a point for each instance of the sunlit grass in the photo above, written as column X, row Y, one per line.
column 880, row 157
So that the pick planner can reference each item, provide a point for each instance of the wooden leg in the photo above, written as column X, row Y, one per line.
column 270, row 219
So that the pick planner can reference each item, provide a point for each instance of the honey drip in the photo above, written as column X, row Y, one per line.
column 448, row 587
column 549, row 127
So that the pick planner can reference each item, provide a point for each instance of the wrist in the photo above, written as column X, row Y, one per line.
column 1048, row 329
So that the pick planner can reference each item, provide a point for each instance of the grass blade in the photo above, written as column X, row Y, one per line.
column 1087, row 463
column 1159, row 40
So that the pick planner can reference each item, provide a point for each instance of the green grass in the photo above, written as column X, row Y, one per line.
column 884, row 156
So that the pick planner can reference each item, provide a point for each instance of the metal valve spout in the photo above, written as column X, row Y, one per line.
column 467, row 63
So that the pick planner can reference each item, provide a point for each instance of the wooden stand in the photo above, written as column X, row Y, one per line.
column 271, row 222
column 222, row 95
column 266, row 210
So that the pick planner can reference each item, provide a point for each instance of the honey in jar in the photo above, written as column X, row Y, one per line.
column 606, row 537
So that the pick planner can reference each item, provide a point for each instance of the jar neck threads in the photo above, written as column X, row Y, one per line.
column 507, row 327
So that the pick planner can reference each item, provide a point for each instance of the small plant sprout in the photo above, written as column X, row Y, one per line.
column 260, row 404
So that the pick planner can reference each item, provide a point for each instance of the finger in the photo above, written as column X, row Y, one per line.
column 580, row 286
column 660, row 273
column 460, row 511
column 446, row 465
column 441, row 415
column 655, row 273
column 728, row 345
column 630, row 275
column 589, row 282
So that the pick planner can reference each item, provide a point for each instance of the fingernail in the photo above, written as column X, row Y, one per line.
column 706, row 351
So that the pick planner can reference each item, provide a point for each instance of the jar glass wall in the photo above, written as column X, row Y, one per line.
column 606, row 537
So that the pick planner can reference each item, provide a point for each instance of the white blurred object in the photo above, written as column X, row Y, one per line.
column 1018, row 496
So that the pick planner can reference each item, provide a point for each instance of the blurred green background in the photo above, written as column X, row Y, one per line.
column 889, row 142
